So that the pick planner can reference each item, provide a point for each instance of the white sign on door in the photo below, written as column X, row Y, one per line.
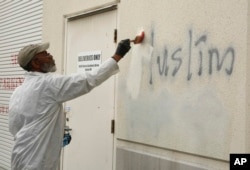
column 87, row 61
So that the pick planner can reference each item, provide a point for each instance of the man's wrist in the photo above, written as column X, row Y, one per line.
column 117, row 57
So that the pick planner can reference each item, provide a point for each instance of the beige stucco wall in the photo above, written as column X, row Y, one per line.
column 182, row 105
column 248, row 86
column 193, row 113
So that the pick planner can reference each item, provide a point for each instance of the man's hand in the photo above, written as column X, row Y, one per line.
column 123, row 47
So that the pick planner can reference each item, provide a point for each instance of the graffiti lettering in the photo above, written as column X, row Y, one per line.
column 4, row 109
column 10, row 83
column 14, row 59
column 214, row 52
column 215, row 58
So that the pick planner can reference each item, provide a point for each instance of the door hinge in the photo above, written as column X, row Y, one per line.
column 113, row 126
column 115, row 35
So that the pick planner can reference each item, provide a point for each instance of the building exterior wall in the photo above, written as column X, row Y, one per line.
column 182, row 95
column 20, row 25
column 248, row 87
column 176, row 96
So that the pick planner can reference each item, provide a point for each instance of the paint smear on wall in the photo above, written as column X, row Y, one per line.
column 141, row 53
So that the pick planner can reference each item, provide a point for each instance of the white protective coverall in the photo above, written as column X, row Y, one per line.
column 36, row 117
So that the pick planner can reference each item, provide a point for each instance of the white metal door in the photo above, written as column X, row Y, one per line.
column 90, row 116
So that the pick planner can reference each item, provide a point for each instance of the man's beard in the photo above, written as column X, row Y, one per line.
column 48, row 68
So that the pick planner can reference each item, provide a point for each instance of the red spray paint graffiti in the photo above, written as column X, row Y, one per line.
column 14, row 59
column 4, row 109
column 10, row 83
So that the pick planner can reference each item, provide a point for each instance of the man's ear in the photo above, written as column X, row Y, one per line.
column 36, row 66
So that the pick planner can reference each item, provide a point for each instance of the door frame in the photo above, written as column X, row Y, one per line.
column 74, row 16
column 82, row 14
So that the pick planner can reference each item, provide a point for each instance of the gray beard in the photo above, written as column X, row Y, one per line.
column 48, row 68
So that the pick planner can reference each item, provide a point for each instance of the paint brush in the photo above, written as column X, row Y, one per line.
column 139, row 38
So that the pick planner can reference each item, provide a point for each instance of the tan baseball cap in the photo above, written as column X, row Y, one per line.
column 28, row 52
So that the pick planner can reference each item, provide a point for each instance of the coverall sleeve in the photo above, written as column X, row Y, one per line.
column 72, row 86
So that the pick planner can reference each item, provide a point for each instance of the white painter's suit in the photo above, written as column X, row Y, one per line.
column 36, row 117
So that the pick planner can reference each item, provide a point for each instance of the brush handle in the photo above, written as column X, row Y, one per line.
column 138, row 39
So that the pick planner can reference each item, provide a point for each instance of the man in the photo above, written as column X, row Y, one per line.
column 36, row 117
